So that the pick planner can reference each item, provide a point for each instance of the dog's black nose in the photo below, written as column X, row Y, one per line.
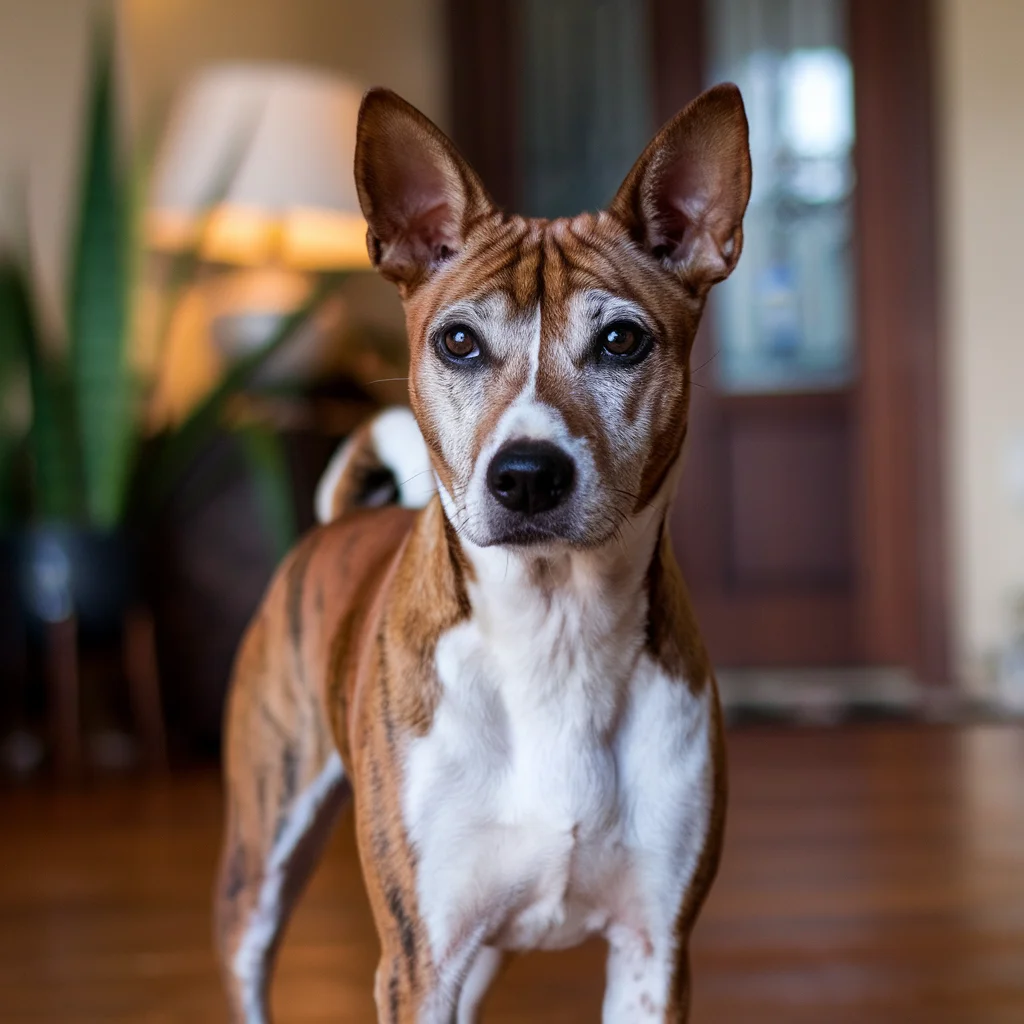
column 530, row 476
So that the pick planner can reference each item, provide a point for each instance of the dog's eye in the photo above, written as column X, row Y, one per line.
column 624, row 342
column 460, row 343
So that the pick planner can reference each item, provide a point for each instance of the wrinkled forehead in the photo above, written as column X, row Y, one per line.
column 568, row 273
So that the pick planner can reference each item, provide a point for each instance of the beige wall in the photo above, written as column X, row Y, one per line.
column 398, row 43
column 42, row 70
column 43, row 65
column 981, row 100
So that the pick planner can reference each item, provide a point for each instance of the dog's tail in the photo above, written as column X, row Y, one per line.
column 384, row 462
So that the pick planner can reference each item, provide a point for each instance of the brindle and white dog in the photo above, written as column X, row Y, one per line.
column 510, row 680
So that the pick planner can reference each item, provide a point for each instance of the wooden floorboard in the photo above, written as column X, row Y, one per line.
column 870, row 875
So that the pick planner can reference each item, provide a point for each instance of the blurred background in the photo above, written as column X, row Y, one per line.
column 189, row 326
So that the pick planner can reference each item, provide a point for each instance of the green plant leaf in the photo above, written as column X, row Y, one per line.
column 268, row 465
column 56, row 472
column 98, row 309
column 12, row 345
column 11, row 366
column 8, row 504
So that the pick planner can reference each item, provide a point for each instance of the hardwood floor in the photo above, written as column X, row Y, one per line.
column 870, row 875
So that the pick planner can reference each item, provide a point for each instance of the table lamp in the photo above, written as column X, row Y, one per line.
column 256, row 168
column 254, row 176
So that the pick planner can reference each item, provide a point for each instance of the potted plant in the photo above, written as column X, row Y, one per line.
column 80, row 481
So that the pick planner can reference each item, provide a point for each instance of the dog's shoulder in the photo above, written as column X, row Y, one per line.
column 315, row 613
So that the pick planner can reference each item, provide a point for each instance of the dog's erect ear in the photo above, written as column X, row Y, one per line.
column 685, row 197
column 416, row 192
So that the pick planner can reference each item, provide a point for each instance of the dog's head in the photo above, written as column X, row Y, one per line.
column 550, row 358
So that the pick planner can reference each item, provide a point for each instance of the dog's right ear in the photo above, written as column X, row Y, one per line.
column 417, row 193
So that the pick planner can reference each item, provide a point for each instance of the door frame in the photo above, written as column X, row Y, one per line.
column 901, row 543
column 904, row 542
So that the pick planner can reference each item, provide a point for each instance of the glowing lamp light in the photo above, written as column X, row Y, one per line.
column 256, row 169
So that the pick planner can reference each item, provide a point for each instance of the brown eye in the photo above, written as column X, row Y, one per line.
column 460, row 343
column 624, row 342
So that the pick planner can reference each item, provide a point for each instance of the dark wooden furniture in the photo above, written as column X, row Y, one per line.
column 211, row 556
column 62, row 657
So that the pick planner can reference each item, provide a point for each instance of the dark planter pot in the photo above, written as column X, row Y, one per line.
column 64, row 570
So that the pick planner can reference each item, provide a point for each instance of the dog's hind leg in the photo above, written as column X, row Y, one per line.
column 285, row 786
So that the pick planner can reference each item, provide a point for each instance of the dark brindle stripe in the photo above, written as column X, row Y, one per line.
column 296, row 589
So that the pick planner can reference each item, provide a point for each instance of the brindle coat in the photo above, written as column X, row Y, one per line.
column 338, row 674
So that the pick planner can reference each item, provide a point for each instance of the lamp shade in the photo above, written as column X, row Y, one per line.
column 256, row 167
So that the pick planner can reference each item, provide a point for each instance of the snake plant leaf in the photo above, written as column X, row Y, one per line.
column 268, row 467
column 53, row 453
column 12, row 347
column 98, row 310
column 11, row 366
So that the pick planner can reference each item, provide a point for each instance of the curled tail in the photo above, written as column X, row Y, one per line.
column 384, row 462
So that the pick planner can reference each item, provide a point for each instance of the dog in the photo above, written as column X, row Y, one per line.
column 505, row 673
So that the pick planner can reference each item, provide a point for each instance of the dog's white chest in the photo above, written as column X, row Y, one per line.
column 562, row 790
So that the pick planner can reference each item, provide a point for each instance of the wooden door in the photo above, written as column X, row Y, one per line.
column 810, row 518
column 765, row 521
column 809, row 522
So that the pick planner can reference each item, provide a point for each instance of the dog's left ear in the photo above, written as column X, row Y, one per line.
column 685, row 197
column 417, row 193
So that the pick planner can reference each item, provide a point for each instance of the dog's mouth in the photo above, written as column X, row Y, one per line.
column 532, row 534
column 525, row 536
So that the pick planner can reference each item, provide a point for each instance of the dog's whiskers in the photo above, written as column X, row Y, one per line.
column 710, row 359
column 636, row 497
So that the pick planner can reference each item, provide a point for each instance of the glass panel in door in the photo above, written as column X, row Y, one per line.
column 785, row 319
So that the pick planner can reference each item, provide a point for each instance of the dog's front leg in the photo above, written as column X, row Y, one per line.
column 485, row 969
column 647, row 982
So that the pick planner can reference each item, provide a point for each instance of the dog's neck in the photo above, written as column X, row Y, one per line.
column 600, row 591
column 611, row 572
